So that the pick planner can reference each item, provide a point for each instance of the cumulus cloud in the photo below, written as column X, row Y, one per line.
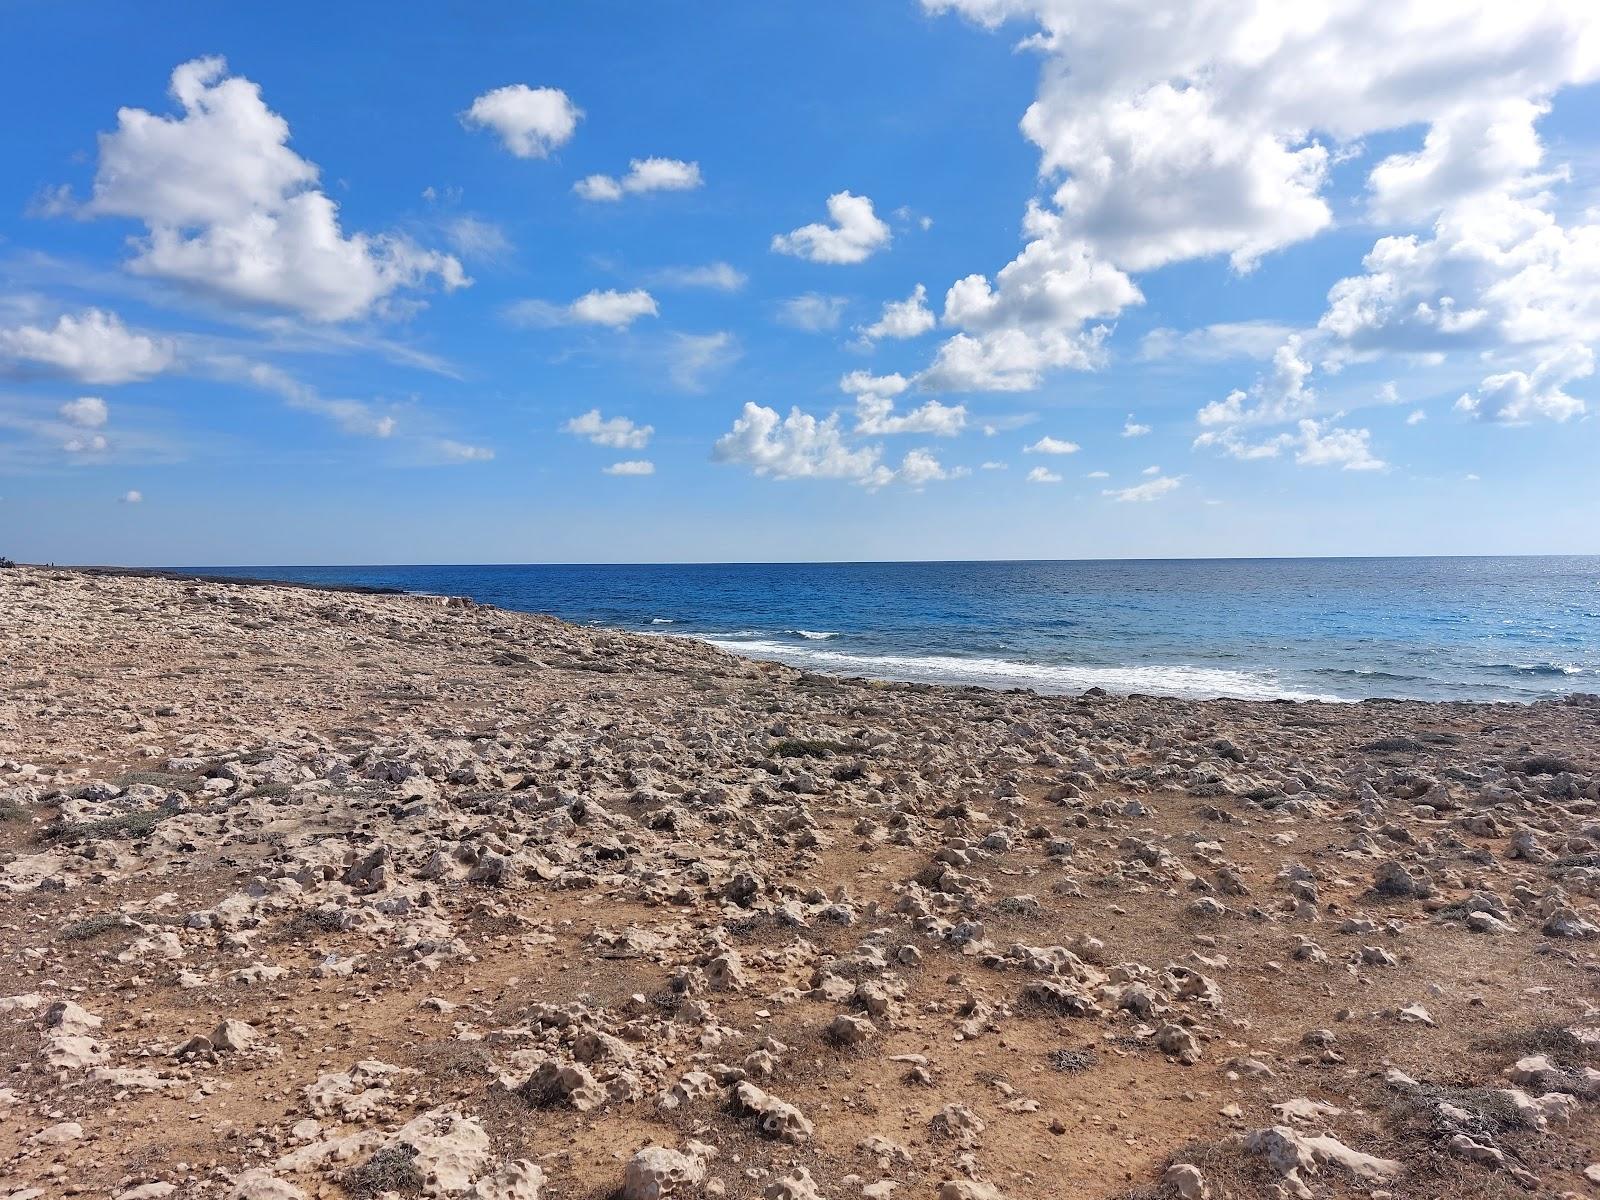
column 1154, row 489
column 531, row 122
column 855, row 234
column 231, row 211
column 613, row 309
column 644, row 175
column 1280, row 394
column 906, row 318
column 1132, row 428
column 1033, row 317
column 636, row 466
column 86, row 412
column 1043, row 475
column 919, row 468
column 1313, row 443
column 92, row 347
column 132, row 497
column 1170, row 132
column 875, row 408
column 1516, row 397
column 716, row 276
column 799, row 446
column 1052, row 445
column 812, row 312
column 619, row 433
column 802, row 446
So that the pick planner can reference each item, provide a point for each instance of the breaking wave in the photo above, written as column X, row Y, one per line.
column 1196, row 683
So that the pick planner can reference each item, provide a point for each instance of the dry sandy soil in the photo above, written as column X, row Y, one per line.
column 308, row 894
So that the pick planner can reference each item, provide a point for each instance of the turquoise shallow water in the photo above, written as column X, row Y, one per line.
column 1422, row 628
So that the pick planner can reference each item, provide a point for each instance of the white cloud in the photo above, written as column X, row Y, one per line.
column 231, row 211
column 1144, row 492
column 1280, row 395
column 906, row 318
column 812, row 312
column 1171, row 132
column 1052, row 445
column 637, row 466
column 1417, row 417
column 692, row 357
column 1132, row 428
column 1476, row 149
column 94, row 443
column 132, row 497
column 1043, row 475
column 801, row 446
column 1008, row 360
column 919, row 468
column 855, row 235
column 994, row 466
column 1098, row 475
column 86, row 412
column 1032, row 318
column 530, row 121
column 875, row 415
column 1321, row 445
column 717, row 276
column 92, row 347
column 619, row 433
column 644, row 175
column 1514, row 397
column 1151, row 471
column 798, row 446
column 613, row 309
column 454, row 451
column 1315, row 444
column 860, row 383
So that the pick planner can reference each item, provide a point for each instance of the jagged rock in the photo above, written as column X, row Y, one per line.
column 774, row 1118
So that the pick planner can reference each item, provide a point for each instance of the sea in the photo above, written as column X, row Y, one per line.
column 1486, row 629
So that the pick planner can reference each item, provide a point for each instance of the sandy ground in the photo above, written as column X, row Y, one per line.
column 319, row 894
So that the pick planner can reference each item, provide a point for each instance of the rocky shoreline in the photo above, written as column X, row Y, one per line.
column 325, row 894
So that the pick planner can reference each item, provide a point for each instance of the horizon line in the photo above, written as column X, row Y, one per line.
column 839, row 562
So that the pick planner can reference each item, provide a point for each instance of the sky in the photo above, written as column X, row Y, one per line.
column 696, row 280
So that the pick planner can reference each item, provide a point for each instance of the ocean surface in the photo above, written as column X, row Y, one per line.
column 1422, row 628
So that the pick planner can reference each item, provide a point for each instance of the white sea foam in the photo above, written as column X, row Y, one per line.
column 662, row 621
column 1196, row 683
column 812, row 635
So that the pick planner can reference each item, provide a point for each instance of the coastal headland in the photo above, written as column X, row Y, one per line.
column 310, row 894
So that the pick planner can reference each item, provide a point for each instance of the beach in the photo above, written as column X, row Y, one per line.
column 312, row 893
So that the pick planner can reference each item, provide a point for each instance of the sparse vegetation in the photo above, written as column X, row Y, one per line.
column 127, row 827
column 392, row 1169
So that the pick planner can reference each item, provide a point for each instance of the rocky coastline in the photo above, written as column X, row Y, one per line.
column 310, row 894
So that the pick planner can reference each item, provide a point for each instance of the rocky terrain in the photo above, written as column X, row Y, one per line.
column 310, row 894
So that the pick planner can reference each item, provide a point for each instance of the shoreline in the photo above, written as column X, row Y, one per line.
column 945, row 671
column 378, row 881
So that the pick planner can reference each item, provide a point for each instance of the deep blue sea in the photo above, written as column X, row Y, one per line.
column 1345, row 628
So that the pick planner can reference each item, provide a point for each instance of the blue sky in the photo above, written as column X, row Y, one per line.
column 350, row 299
